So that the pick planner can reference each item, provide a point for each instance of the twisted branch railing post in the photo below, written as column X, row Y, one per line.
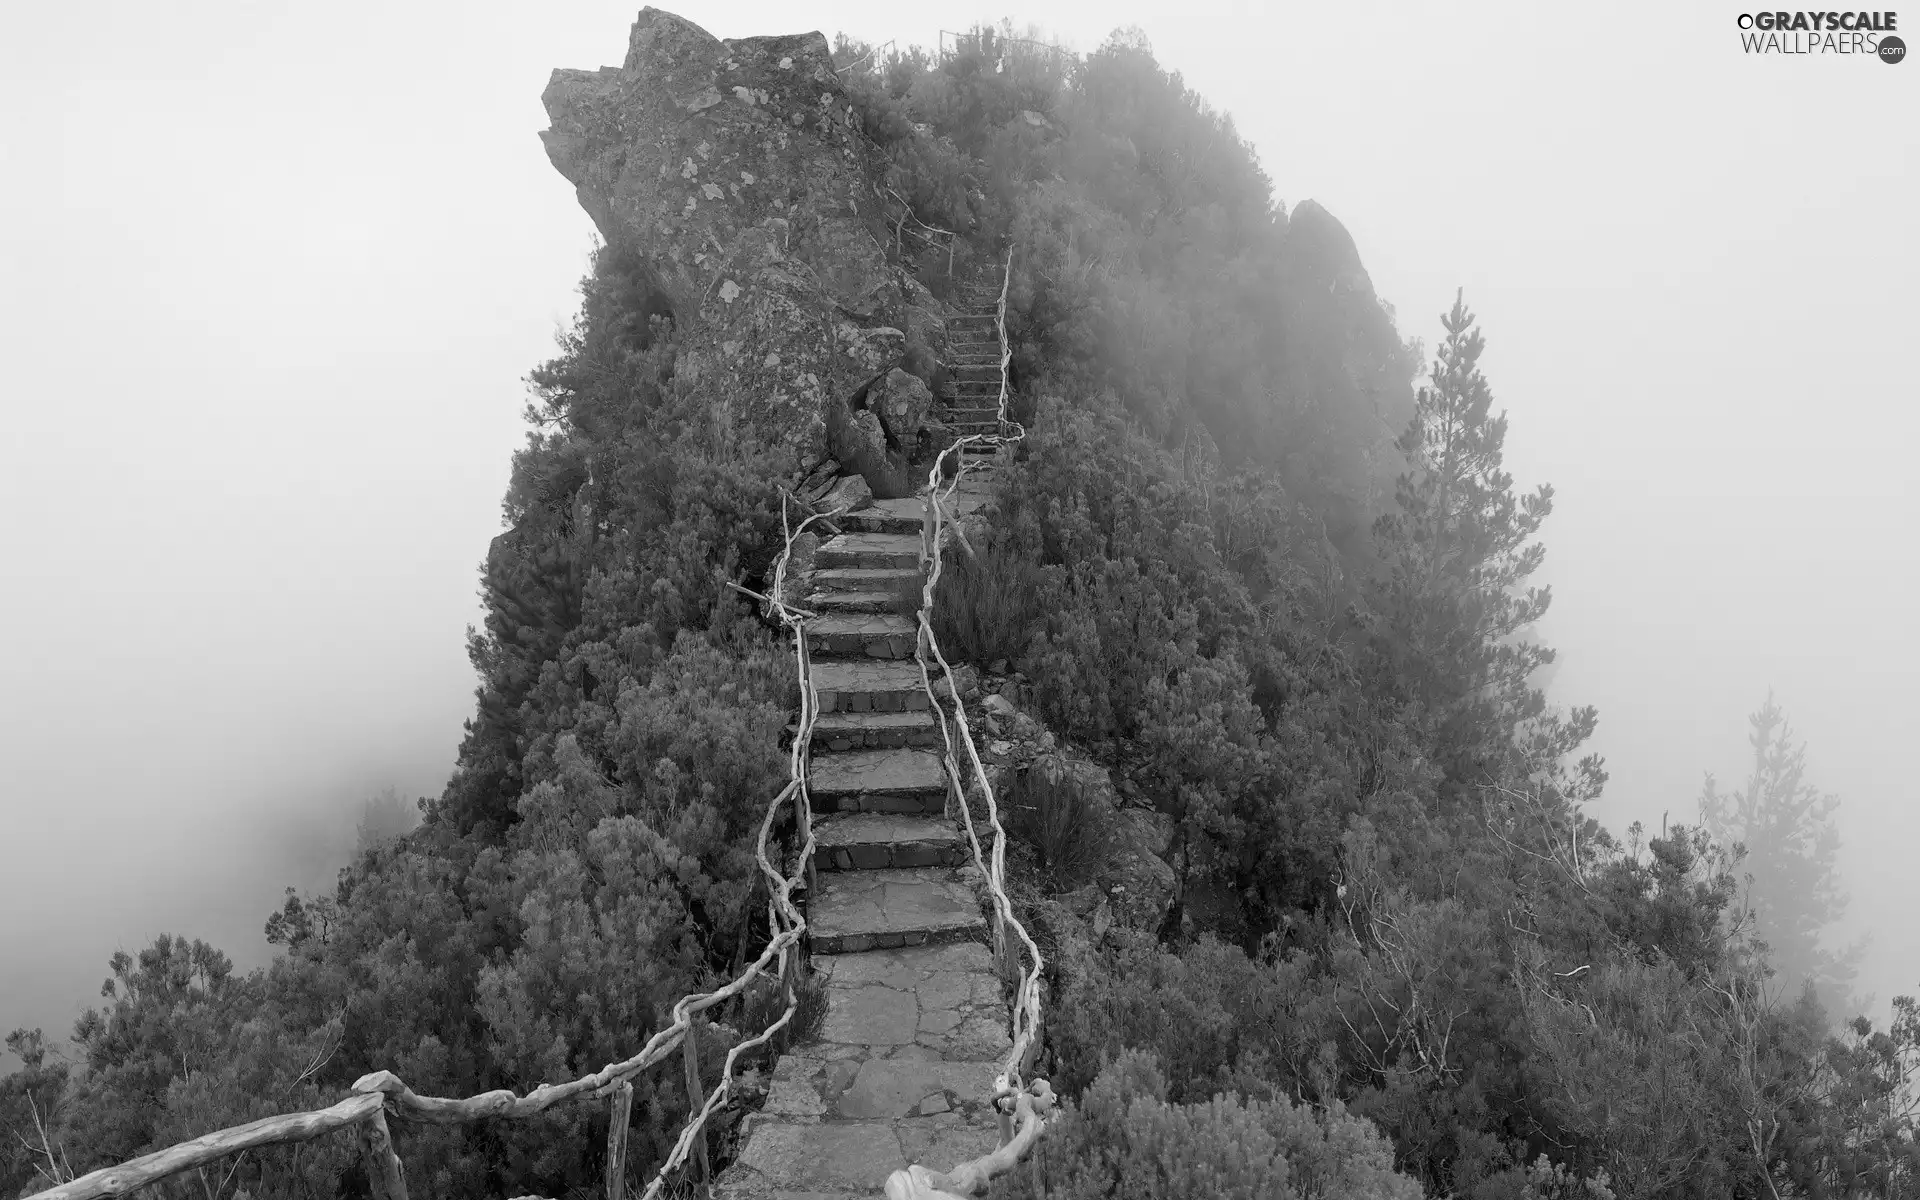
column 385, row 1176
column 696, row 1100
column 1020, row 1107
column 363, row 1112
column 900, row 226
column 622, row 1116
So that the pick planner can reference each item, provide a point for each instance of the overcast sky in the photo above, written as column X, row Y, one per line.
column 271, row 274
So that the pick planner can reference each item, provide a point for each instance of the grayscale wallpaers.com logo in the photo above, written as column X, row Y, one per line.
column 1862, row 33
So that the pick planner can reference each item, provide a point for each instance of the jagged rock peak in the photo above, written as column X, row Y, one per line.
column 1321, row 245
column 733, row 171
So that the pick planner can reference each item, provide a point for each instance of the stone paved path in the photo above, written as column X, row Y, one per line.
column 916, row 1026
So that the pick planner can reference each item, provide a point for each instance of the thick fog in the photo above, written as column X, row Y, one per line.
column 272, row 276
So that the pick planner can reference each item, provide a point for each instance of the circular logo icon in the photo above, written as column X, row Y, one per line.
column 1892, row 49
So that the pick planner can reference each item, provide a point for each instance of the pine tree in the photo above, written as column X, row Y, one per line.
column 1458, row 551
column 1792, row 848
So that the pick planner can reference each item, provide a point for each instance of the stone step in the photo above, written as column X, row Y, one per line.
column 895, row 907
column 875, row 635
column 873, row 551
column 880, row 841
column 972, row 414
column 977, row 372
column 860, row 579
column 977, row 483
column 855, row 602
column 902, row 1072
column 801, row 1157
column 871, row 685
column 884, row 781
column 887, row 516
column 839, row 732
column 906, row 516
column 946, row 1003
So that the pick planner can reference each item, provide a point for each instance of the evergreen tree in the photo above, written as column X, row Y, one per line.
column 1458, row 550
column 1792, row 848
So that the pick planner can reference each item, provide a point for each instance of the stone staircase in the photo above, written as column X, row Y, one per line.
column 916, row 1026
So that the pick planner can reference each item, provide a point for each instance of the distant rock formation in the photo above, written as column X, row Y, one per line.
column 1320, row 247
column 733, row 170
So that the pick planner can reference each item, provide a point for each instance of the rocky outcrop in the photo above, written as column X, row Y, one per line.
column 903, row 402
column 733, row 172
column 849, row 493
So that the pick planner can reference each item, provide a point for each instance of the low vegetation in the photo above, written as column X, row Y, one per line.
column 1248, row 566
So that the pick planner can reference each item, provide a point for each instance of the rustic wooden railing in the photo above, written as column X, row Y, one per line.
column 872, row 53
column 376, row 1095
column 926, row 233
column 1021, row 1104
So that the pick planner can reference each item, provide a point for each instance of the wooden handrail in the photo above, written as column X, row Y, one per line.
column 365, row 1110
column 900, row 227
column 185, row 1156
column 1023, row 1104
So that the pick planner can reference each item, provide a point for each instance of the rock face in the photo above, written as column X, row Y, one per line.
column 732, row 171
column 1320, row 247
column 903, row 402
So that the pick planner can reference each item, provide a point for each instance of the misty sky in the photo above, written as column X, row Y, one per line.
column 270, row 277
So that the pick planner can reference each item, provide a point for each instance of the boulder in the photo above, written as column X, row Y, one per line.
column 903, row 401
column 799, row 566
column 862, row 443
column 871, row 350
column 926, row 327
column 965, row 678
column 1139, row 882
column 849, row 493
column 1149, row 829
column 818, row 480
column 731, row 173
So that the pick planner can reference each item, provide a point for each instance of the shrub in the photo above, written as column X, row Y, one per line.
column 1127, row 1140
column 985, row 604
column 1057, row 818
column 762, row 1004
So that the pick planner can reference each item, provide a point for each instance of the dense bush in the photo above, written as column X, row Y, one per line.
column 1054, row 816
column 1126, row 1139
column 1280, row 594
